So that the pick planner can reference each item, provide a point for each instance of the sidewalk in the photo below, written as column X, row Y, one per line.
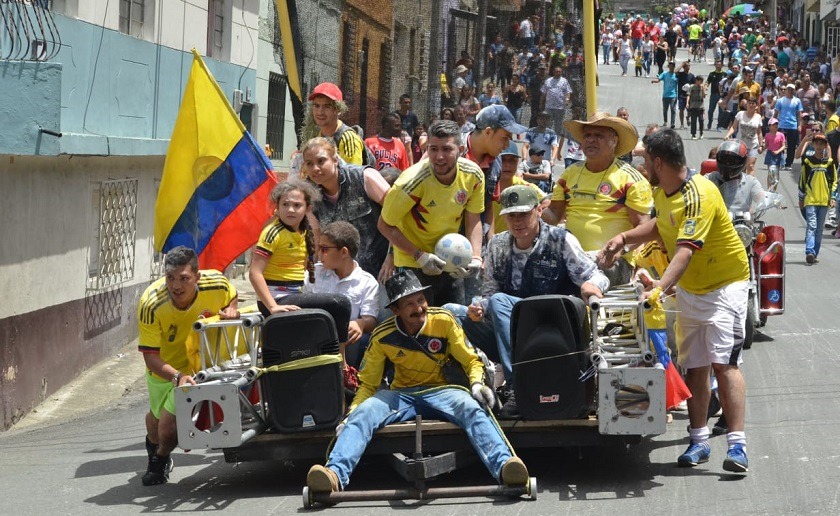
column 113, row 382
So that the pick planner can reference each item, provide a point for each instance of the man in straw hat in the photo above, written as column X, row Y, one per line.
column 709, row 271
column 531, row 259
column 417, row 340
column 602, row 196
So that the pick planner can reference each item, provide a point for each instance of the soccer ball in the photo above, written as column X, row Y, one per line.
column 455, row 250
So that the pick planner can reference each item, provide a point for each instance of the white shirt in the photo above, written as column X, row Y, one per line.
column 360, row 287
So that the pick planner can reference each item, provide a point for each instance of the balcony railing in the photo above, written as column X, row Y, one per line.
column 28, row 31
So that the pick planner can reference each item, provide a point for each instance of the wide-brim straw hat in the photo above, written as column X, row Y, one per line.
column 628, row 136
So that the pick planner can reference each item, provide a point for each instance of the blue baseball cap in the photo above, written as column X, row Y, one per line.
column 498, row 117
column 511, row 150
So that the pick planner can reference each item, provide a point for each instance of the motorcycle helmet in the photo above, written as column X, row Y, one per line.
column 731, row 159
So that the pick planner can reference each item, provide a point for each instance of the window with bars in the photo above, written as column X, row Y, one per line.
column 385, row 55
column 216, row 28
column 131, row 17
column 112, row 250
column 276, row 123
column 348, row 59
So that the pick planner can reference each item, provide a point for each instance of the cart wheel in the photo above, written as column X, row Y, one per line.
column 532, row 488
column 307, row 498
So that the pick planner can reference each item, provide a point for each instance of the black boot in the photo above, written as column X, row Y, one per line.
column 151, row 447
column 158, row 470
column 509, row 410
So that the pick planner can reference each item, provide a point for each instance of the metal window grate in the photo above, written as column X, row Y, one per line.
column 348, row 60
column 113, row 253
column 276, row 114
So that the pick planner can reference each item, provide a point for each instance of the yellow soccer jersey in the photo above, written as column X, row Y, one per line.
column 285, row 251
column 425, row 210
column 652, row 257
column 816, row 181
column 165, row 329
column 350, row 146
column 597, row 202
column 696, row 215
column 499, row 221
column 441, row 336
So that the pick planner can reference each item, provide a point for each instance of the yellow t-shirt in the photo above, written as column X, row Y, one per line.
column 350, row 146
column 697, row 216
column 165, row 329
column 755, row 88
column 499, row 221
column 285, row 251
column 425, row 210
column 597, row 202
column 832, row 123
column 694, row 32
column 652, row 257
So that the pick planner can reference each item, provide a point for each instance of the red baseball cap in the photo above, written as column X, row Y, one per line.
column 328, row 90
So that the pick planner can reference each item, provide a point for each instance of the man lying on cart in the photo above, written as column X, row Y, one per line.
column 418, row 340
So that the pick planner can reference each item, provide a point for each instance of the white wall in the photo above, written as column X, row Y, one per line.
column 181, row 24
column 48, row 225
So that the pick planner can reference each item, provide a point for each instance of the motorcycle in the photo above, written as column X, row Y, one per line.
column 765, row 247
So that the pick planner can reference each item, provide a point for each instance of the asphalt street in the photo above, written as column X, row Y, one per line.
column 88, row 458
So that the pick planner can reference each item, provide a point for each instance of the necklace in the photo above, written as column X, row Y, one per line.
column 575, row 190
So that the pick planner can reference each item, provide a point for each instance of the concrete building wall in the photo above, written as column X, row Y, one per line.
column 57, row 325
column 114, row 97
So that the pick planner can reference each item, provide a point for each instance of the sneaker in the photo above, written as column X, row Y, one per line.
column 830, row 224
column 693, row 137
column 700, row 137
column 672, row 126
column 514, row 473
column 721, row 426
column 697, row 453
column 810, row 259
column 151, row 448
column 736, row 459
column 509, row 410
column 321, row 479
column 158, row 471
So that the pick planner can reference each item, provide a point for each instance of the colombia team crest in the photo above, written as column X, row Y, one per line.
column 435, row 345
column 461, row 196
column 605, row 188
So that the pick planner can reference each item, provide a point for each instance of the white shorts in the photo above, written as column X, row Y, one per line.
column 710, row 327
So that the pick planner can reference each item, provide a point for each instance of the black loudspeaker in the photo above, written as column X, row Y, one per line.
column 302, row 399
column 548, row 334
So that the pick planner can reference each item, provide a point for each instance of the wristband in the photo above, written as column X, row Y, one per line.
column 418, row 254
column 176, row 378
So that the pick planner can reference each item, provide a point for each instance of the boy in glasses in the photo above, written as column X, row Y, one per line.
column 337, row 272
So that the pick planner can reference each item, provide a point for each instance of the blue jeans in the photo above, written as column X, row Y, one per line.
column 646, row 60
column 815, row 219
column 491, row 335
column 453, row 404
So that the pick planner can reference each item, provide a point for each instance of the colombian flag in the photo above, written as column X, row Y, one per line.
column 676, row 391
column 214, row 191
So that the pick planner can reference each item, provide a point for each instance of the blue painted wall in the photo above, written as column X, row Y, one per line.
column 118, row 95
